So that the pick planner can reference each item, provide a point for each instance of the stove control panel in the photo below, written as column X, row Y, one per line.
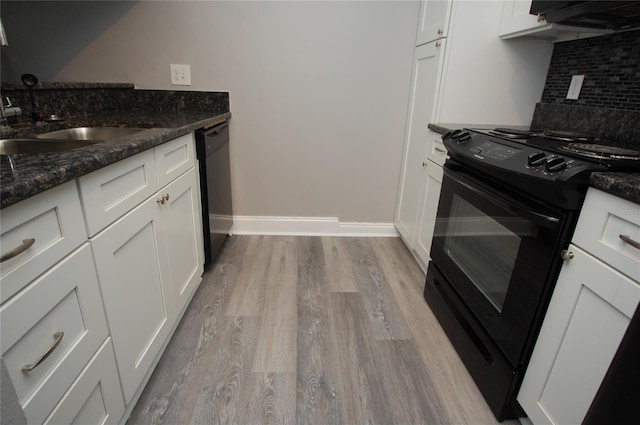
column 511, row 156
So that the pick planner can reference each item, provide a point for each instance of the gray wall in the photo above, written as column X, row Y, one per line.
column 318, row 90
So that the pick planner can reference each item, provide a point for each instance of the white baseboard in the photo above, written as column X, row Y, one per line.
column 308, row 226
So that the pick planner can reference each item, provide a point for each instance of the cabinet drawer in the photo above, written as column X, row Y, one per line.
column 65, row 299
column 605, row 221
column 174, row 158
column 436, row 151
column 110, row 192
column 54, row 220
column 95, row 397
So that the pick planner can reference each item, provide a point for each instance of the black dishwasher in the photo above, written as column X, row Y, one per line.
column 212, row 150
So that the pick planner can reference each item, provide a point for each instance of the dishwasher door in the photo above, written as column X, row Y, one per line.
column 212, row 146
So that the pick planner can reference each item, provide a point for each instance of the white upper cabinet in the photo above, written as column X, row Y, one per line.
column 517, row 22
column 434, row 20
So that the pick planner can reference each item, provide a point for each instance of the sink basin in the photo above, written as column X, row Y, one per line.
column 19, row 146
column 90, row 133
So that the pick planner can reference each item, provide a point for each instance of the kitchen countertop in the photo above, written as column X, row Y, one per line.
column 22, row 176
column 623, row 185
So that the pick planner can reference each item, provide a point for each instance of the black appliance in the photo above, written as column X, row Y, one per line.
column 212, row 151
column 508, row 207
column 614, row 15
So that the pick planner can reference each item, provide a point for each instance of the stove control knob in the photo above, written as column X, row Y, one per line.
column 464, row 137
column 454, row 134
column 537, row 158
column 556, row 164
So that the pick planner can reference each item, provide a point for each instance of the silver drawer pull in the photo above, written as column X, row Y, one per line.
column 440, row 150
column 627, row 239
column 26, row 243
column 58, row 337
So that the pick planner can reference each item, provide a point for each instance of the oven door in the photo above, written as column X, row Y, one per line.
column 497, row 253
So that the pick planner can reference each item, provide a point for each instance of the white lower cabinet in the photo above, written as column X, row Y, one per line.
column 149, row 264
column 426, row 228
column 68, row 362
column 588, row 315
column 50, row 331
column 95, row 397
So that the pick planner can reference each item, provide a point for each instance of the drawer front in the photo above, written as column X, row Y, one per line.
column 110, row 192
column 174, row 158
column 609, row 228
column 53, row 219
column 95, row 398
column 436, row 151
column 65, row 299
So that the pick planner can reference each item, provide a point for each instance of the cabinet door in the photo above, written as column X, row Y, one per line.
column 433, row 22
column 95, row 397
column 181, row 224
column 426, row 76
column 516, row 18
column 132, row 269
column 429, row 210
column 587, row 317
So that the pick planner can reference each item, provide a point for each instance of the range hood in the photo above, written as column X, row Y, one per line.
column 612, row 15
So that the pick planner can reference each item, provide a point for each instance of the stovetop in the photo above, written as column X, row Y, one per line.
column 615, row 155
column 553, row 167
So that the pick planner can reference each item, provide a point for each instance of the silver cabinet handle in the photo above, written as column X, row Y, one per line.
column 425, row 163
column 438, row 44
column 566, row 255
column 439, row 31
column 162, row 199
column 627, row 239
column 440, row 150
column 58, row 337
column 26, row 243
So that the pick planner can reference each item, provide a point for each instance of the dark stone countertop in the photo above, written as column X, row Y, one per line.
column 22, row 176
column 623, row 185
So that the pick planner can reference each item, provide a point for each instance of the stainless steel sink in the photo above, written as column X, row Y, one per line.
column 90, row 133
column 20, row 146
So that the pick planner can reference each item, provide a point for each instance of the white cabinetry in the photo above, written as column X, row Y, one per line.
column 433, row 21
column 517, row 22
column 465, row 77
column 588, row 313
column 142, row 264
column 150, row 260
column 52, row 328
column 426, row 73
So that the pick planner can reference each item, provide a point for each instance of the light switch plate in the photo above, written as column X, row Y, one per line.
column 180, row 75
column 574, row 88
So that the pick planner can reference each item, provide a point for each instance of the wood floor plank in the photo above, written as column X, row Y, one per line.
column 270, row 399
column 247, row 296
column 363, row 394
column 385, row 316
column 338, row 265
column 277, row 340
column 316, row 378
column 223, row 386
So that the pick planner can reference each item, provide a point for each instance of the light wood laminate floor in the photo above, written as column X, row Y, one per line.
column 311, row 330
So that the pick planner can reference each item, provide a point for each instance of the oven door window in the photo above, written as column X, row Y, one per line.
column 498, row 254
column 484, row 249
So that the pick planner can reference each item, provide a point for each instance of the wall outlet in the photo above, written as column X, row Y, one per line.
column 180, row 75
column 575, row 87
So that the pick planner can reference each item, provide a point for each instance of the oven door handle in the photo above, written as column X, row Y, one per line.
column 533, row 216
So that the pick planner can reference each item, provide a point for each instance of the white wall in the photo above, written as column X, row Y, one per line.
column 318, row 90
